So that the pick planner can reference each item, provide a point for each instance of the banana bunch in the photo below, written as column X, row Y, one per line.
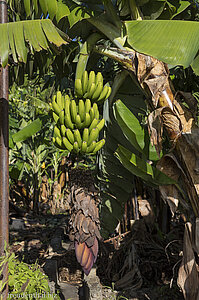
column 91, row 87
column 77, row 125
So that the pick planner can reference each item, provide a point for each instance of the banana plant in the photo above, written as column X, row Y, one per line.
column 171, row 41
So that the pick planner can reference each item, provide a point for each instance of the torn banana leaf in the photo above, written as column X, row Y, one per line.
column 172, row 41
column 141, row 168
column 38, row 34
column 133, row 131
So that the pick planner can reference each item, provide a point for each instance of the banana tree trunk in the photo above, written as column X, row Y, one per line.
column 182, row 162
column 4, row 171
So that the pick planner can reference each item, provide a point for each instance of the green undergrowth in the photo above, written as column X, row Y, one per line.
column 25, row 281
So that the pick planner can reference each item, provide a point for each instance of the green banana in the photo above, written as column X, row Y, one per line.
column 93, row 124
column 103, row 93
column 96, row 110
column 73, row 110
column 87, row 120
column 81, row 109
column 67, row 97
column 100, row 125
column 67, row 144
column 70, row 136
column 67, row 105
column 108, row 93
column 84, row 146
column 56, row 107
column 87, row 105
column 93, row 135
column 58, row 141
column 97, row 92
column 77, row 137
column 57, row 132
column 91, row 79
column 91, row 147
column 68, row 121
column 84, row 81
column 78, row 88
column 59, row 99
column 63, row 130
column 90, row 91
column 59, row 144
column 55, row 117
column 78, row 122
column 99, row 145
column 61, row 117
column 92, row 114
column 85, row 135
column 76, row 147
column 99, row 78
column 63, row 101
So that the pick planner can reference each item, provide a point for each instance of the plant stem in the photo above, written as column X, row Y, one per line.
column 109, row 30
column 85, row 52
column 135, row 11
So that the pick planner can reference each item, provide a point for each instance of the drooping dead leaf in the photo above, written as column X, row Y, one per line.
column 131, row 280
column 189, row 149
column 155, row 127
column 188, row 278
column 153, row 76
column 170, row 194
column 190, row 101
column 146, row 211
column 197, row 236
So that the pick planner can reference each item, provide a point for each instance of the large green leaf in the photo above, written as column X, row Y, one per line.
column 44, row 6
column 53, row 9
column 27, row 7
column 27, row 131
column 36, row 32
column 141, row 168
column 134, row 132
column 174, row 42
column 62, row 10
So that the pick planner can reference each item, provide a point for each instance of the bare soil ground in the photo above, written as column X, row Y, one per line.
column 142, row 264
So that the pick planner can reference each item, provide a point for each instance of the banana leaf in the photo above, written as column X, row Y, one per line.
column 38, row 33
column 57, row 9
column 141, row 168
column 27, row 131
column 133, row 131
column 171, row 41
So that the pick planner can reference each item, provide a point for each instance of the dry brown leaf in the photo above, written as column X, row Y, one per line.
column 188, row 275
column 172, row 123
column 170, row 194
column 146, row 211
column 153, row 76
column 189, row 148
column 197, row 236
column 155, row 128
column 131, row 280
column 189, row 99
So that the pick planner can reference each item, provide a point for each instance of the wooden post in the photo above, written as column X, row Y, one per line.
column 4, row 143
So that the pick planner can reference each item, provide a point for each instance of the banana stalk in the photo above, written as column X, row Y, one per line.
column 135, row 11
column 108, row 29
column 85, row 52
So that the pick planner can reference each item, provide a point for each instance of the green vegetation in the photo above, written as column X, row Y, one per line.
column 25, row 281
